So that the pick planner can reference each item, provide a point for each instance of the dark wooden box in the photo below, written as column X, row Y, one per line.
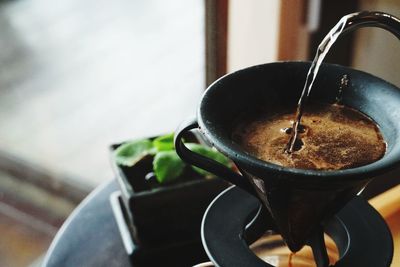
column 164, row 216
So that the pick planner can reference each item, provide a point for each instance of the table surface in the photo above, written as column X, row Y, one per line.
column 91, row 226
column 81, row 229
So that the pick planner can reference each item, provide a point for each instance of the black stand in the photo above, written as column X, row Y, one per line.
column 317, row 244
column 232, row 220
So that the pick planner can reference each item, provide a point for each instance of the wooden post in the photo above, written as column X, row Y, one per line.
column 216, row 29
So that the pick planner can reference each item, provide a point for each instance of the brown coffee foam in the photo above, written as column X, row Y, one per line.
column 335, row 137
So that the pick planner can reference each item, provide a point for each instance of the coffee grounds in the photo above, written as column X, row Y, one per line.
column 333, row 137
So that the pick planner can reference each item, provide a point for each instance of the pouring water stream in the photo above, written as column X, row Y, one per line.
column 346, row 24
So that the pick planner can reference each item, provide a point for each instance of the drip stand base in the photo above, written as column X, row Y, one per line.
column 235, row 219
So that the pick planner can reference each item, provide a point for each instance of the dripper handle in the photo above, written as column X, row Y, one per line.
column 205, row 163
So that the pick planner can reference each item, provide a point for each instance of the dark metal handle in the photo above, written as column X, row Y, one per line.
column 205, row 163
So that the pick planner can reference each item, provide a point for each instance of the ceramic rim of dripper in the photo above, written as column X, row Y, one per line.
column 386, row 163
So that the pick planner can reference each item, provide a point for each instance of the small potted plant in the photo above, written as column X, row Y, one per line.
column 163, row 198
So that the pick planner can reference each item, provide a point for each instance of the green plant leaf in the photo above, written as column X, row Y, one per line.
column 167, row 166
column 209, row 153
column 164, row 142
column 129, row 153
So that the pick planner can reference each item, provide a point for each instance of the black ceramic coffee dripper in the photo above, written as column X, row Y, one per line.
column 299, row 200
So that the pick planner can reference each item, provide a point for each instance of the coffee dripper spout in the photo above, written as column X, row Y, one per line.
column 372, row 19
